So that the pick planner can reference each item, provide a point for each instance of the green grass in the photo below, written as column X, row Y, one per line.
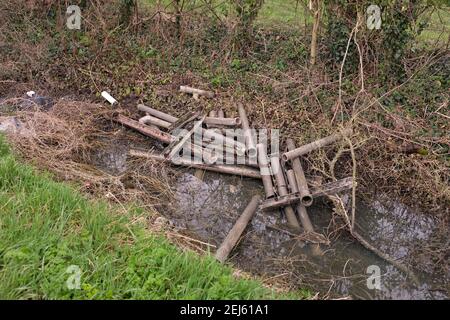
column 273, row 12
column 283, row 12
column 46, row 226
column 292, row 13
column 438, row 28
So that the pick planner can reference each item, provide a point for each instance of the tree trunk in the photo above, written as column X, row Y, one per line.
column 316, row 9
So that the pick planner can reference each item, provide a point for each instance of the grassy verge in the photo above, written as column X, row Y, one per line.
column 45, row 227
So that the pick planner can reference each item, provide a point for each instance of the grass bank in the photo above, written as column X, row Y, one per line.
column 46, row 227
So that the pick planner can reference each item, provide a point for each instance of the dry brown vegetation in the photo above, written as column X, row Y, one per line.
column 401, row 145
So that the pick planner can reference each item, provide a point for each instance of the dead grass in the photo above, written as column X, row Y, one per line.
column 63, row 141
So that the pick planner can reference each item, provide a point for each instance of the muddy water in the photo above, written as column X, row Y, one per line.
column 209, row 208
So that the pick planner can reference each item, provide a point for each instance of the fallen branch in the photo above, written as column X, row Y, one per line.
column 340, row 209
column 386, row 257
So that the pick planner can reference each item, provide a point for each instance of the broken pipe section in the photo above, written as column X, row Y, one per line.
column 235, row 233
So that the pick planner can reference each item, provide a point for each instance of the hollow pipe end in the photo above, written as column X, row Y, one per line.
column 252, row 152
column 307, row 200
column 284, row 157
column 270, row 195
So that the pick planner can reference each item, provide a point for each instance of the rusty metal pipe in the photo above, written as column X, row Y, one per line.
column 303, row 215
column 201, row 153
column 174, row 149
column 290, row 174
column 212, row 114
column 227, row 141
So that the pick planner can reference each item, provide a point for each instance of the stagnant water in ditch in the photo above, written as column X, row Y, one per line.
column 209, row 207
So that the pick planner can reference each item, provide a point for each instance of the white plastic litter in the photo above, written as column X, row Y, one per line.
column 109, row 98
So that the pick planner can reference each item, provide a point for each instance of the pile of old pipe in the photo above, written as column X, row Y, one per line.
column 173, row 150
column 218, row 137
column 235, row 233
column 246, row 171
column 164, row 137
column 291, row 195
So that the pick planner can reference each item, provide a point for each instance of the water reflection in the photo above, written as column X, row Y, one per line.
column 210, row 207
